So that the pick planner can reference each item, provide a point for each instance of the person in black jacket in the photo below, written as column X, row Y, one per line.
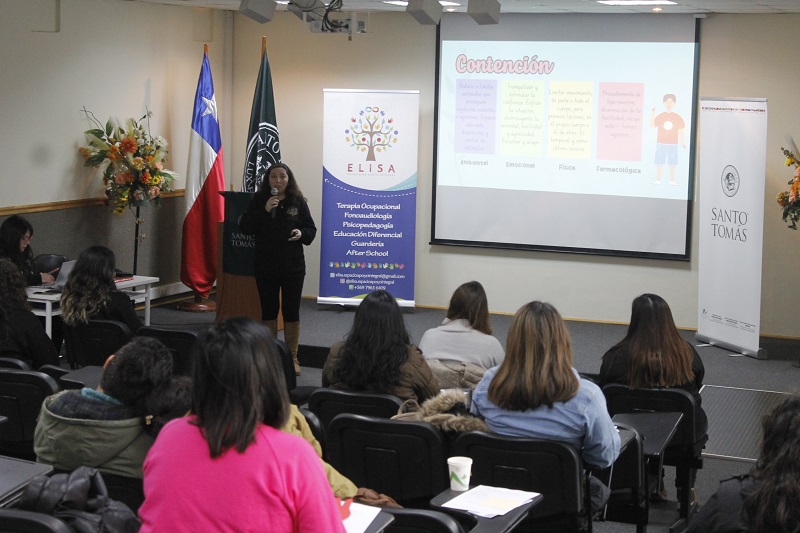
column 653, row 354
column 279, row 217
column 21, row 334
column 90, row 292
column 766, row 500
column 15, row 239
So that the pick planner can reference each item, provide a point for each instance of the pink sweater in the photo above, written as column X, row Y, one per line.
column 276, row 485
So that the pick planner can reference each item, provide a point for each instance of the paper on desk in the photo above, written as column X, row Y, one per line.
column 361, row 516
column 489, row 502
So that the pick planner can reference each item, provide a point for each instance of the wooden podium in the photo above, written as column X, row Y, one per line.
column 237, row 295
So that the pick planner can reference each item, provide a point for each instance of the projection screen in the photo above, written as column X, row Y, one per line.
column 566, row 133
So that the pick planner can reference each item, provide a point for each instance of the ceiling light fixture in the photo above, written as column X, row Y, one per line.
column 484, row 11
column 637, row 2
column 427, row 12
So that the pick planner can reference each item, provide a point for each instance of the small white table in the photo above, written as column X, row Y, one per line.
column 135, row 288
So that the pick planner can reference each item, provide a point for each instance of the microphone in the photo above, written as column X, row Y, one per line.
column 274, row 192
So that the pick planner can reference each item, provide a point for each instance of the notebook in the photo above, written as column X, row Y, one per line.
column 61, row 279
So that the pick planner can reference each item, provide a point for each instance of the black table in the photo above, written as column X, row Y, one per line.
column 498, row 524
column 656, row 429
column 87, row 376
column 15, row 474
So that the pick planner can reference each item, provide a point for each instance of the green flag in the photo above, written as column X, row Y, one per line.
column 263, row 148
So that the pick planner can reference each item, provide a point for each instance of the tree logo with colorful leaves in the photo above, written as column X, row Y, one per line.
column 371, row 132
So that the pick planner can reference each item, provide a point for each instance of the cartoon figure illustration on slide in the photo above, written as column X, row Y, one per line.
column 670, row 132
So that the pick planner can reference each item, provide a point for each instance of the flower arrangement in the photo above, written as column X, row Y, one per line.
column 790, row 200
column 132, row 161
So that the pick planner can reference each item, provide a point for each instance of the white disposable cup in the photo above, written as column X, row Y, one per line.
column 460, row 469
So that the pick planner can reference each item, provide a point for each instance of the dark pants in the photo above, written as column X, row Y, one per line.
column 280, row 290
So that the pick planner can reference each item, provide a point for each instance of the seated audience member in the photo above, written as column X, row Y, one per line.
column 90, row 292
column 166, row 402
column 228, row 467
column 537, row 393
column 21, row 333
column 377, row 355
column 653, row 354
column 766, row 500
column 15, row 245
column 104, row 428
column 15, row 240
column 462, row 348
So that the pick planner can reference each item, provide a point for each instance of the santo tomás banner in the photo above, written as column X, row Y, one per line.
column 369, row 195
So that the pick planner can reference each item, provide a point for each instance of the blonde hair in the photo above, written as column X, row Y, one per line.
column 537, row 369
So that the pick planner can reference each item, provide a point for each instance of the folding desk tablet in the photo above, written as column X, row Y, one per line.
column 15, row 474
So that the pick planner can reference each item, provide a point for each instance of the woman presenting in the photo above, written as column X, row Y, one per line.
column 279, row 218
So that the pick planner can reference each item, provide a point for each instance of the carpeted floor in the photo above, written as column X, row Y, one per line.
column 324, row 325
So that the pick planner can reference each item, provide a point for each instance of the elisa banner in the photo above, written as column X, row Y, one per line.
column 369, row 195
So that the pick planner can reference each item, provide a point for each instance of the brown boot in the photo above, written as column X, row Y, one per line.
column 272, row 326
column 291, row 333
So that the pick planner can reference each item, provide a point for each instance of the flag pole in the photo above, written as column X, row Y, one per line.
column 201, row 303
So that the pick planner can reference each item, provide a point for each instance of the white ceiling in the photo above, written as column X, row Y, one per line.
column 548, row 6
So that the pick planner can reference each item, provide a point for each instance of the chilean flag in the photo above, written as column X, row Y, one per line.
column 205, row 179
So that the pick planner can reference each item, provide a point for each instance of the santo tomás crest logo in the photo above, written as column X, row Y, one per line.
column 730, row 180
column 371, row 132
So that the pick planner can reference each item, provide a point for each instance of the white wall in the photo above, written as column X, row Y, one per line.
column 101, row 59
column 740, row 55
column 114, row 57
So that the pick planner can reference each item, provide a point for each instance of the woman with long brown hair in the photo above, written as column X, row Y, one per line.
column 537, row 393
column 279, row 218
column 653, row 354
column 90, row 292
column 461, row 350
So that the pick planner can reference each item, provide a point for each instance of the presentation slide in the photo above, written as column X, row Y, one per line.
column 568, row 145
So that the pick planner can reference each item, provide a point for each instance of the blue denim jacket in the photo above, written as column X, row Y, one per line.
column 582, row 421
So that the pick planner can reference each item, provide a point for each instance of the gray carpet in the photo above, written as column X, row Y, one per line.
column 324, row 325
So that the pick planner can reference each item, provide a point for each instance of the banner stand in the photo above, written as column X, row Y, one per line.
column 369, row 195
column 760, row 353
column 733, row 134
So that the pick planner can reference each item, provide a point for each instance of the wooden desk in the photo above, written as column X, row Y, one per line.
column 15, row 474
column 498, row 524
column 135, row 288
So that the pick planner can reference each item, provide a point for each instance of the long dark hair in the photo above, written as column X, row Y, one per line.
column 537, row 369
column 12, row 231
column 89, row 285
column 12, row 294
column 376, row 346
column 660, row 357
column 773, row 505
column 292, row 189
column 238, row 384
column 469, row 303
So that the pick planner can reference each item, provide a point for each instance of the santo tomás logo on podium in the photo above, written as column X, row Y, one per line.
column 369, row 195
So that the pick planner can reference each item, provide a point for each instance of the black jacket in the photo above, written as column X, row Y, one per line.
column 273, row 250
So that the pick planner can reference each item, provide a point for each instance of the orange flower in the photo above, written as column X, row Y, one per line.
column 84, row 152
column 128, row 145
column 145, row 177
